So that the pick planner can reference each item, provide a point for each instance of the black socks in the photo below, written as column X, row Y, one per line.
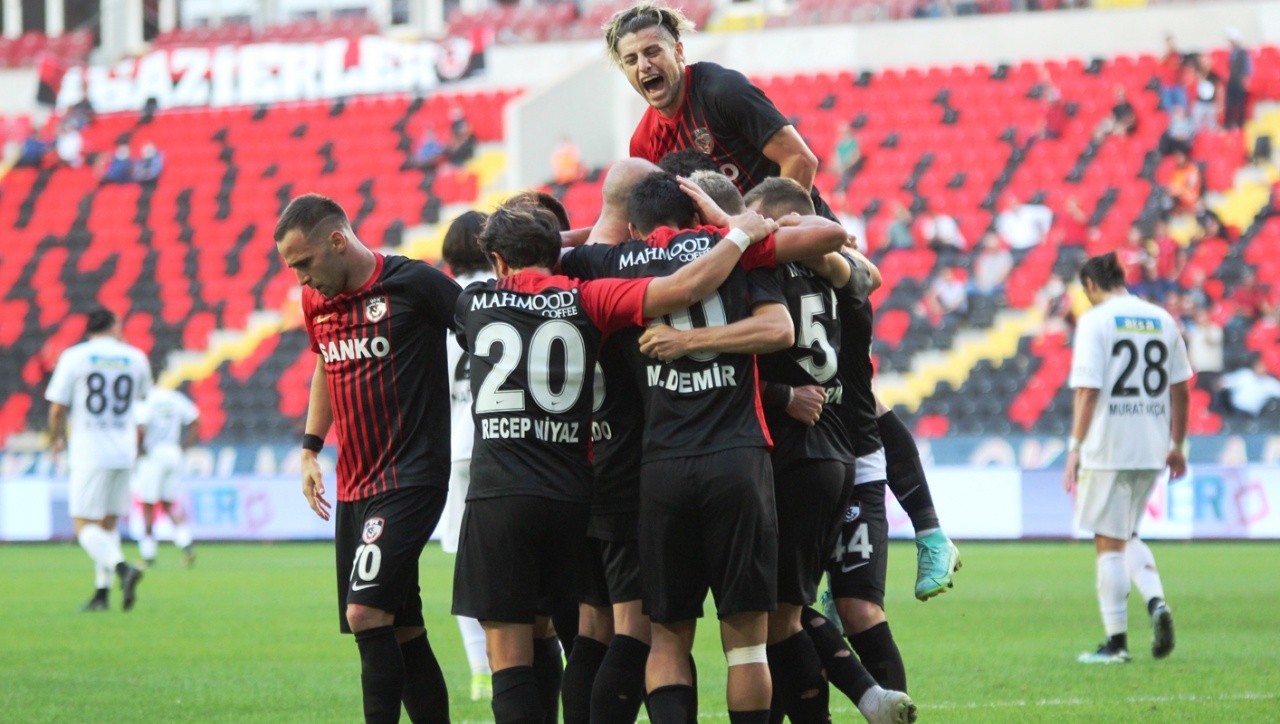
column 675, row 704
column 799, row 688
column 579, row 677
column 515, row 696
column 844, row 670
column 382, row 674
column 547, row 672
column 906, row 473
column 426, row 699
column 879, row 653
column 619, row 688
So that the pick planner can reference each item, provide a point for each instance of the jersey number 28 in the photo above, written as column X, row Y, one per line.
column 1155, row 378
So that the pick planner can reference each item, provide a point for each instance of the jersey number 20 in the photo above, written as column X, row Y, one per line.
column 492, row 398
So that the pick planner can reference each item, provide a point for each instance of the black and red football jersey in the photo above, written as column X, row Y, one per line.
column 534, row 340
column 857, row 409
column 383, row 347
column 703, row 402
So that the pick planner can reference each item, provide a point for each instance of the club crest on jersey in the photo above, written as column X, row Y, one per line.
column 703, row 140
column 852, row 512
column 372, row 530
column 375, row 309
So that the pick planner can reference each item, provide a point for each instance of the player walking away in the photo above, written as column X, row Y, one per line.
column 604, row 674
column 533, row 340
column 703, row 105
column 93, row 394
column 378, row 324
column 468, row 264
column 1129, row 371
column 168, row 419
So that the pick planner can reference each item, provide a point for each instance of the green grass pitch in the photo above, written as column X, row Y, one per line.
column 250, row 634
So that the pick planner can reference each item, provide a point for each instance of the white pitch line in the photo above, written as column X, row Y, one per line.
column 1075, row 701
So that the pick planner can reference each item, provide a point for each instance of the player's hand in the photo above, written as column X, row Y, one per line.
column 851, row 242
column 754, row 225
column 1071, row 471
column 663, row 342
column 1177, row 463
column 791, row 219
column 806, row 403
column 55, row 450
column 708, row 209
column 313, row 484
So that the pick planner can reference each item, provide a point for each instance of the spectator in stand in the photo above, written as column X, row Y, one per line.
column 1252, row 299
column 1195, row 294
column 1173, row 94
column 1248, row 390
column 991, row 267
column 430, row 152
column 1136, row 261
column 1170, row 259
column 848, row 157
column 1074, row 223
column 32, row 152
column 1205, row 348
column 1208, row 84
column 462, row 144
column 70, row 146
column 1055, row 114
column 1239, row 72
column 1055, row 300
column 946, row 296
column 80, row 115
column 942, row 233
column 1184, row 184
column 149, row 166
column 1180, row 133
column 566, row 162
column 1123, row 120
column 1023, row 226
column 899, row 236
column 119, row 169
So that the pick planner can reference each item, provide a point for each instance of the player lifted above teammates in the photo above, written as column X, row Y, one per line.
column 1129, row 369
column 533, row 339
column 97, row 384
column 378, row 325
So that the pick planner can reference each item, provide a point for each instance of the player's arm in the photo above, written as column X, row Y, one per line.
column 793, row 156
column 1179, row 400
column 574, row 238
column 698, row 279
column 768, row 329
column 807, row 237
column 57, row 428
column 804, row 403
column 1086, row 400
column 190, row 432
column 319, row 420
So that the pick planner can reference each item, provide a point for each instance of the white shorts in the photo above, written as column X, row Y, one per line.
column 98, row 493
column 1110, row 502
column 450, row 525
column 159, row 474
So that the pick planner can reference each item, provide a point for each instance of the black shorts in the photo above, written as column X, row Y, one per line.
column 610, row 572
column 517, row 557
column 378, row 541
column 708, row 523
column 812, row 497
column 861, row 556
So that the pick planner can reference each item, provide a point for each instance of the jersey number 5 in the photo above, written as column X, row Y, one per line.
column 492, row 398
column 1155, row 378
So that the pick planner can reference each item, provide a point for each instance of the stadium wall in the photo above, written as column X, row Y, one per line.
column 252, row 493
column 576, row 79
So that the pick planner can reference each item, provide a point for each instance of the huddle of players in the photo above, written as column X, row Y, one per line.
column 727, row 438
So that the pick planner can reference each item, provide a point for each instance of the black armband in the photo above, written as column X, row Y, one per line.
column 774, row 397
column 314, row 443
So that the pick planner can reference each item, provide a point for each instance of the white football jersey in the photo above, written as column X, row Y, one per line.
column 164, row 413
column 101, row 381
column 1130, row 351
column 463, row 424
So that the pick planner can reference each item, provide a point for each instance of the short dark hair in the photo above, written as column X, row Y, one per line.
column 100, row 319
column 685, row 161
column 1104, row 270
column 524, row 236
column 656, row 201
column 461, row 250
column 779, row 196
column 546, row 201
column 306, row 213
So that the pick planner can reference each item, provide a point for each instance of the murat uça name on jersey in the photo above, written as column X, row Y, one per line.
column 553, row 305
column 1151, row 407
column 545, row 429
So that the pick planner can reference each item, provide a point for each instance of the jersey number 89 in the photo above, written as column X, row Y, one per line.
column 119, row 394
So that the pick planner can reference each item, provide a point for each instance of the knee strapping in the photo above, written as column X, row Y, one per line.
column 745, row 655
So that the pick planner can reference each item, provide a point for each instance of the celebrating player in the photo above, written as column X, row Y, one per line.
column 391, row 409
column 1129, row 370
column 533, row 340
column 168, row 419
column 96, row 384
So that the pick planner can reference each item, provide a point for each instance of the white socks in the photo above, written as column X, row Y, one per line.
column 102, row 576
column 1113, row 592
column 1142, row 569
column 181, row 535
column 102, row 547
column 869, row 704
column 147, row 547
column 473, row 640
